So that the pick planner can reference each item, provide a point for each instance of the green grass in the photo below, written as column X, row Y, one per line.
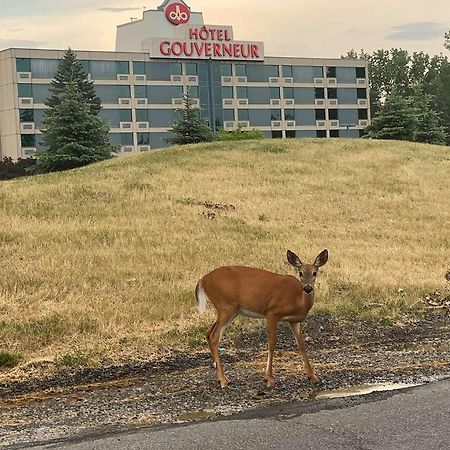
column 103, row 261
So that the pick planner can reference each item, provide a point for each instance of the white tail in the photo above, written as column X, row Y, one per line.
column 260, row 294
column 201, row 297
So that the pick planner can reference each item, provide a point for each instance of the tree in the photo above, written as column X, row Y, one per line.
column 429, row 128
column 447, row 40
column 190, row 128
column 70, row 71
column 74, row 135
column 396, row 119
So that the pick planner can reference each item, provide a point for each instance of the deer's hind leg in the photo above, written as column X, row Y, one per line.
column 224, row 318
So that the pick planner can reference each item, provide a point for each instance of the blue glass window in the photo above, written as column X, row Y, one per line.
column 287, row 71
column 191, row 69
column 23, row 65
column 243, row 114
column 241, row 70
column 141, row 115
column 26, row 115
column 139, row 67
column 306, row 74
column 25, row 90
column 140, row 91
column 227, row 92
column 111, row 94
column 143, row 139
column 226, row 70
column 241, row 92
column 163, row 94
column 28, row 140
column 228, row 115
column 41, row 93
column 44, row 68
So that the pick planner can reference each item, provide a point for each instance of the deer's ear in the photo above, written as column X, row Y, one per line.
column 321, row 259
column 293, row 259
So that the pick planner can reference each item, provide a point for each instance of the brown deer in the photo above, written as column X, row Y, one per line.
column 260, row 294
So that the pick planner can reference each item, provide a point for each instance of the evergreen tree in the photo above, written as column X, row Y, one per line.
column 429, row 127
column 396, row 119
column 447, row 40
column 74, row 136
column 70, row 71
column 190, row 128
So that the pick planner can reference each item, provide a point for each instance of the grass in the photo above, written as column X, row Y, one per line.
column 103, row 261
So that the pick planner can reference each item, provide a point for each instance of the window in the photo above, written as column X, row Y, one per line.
column 226, row 70
column 241, row 70
column 193, row 91
column 44, row 68
column 288, row 93
column 320, row 114
column 261, row 72
column 361, row 93
column 306, row 74
column 141, row 115
column 277, row 134
column 331, row 72
column 304, row 96
column 191, row 69
column 334, row 133
column 362, row 114
column 360, row 72
column 41, row 93
column 346, row 75
column 289, row 114
column 258, row 95
column 162, row 71
column 275, row 114
column 333, row 114
column 125, row 115
column 275, row 92
column 241, row 92
column 126, row 138
column 347, row 96
column 143, row 139
column 290, row 134
column 243, row 114
column 161, row 118
column 25, row 90
column 23, row 65
column 86, row 65
column 286, row 71
column 321, row 133
column 164, row 94
column 175, row 68
column 104, row 70
column 319, row 93
column 332, row 93
column 111, row 94
column 140, row 91
column 228, row 115
column 28, row 140
column 122, row 67
column 227, row 92
column 26, row 115
column 139, row 67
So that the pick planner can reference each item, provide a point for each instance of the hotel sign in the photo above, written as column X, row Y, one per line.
column 201, row 41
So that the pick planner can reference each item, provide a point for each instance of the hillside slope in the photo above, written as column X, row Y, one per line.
column 100, row 263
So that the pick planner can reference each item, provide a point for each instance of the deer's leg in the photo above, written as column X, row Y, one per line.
column 297, row 331
column 213, row 337
column 272, row 323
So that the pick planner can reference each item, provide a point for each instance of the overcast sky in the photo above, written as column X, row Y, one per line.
column 288, row 28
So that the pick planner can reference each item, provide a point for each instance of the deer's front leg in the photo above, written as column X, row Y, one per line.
column 297, row 331
column 272, row 323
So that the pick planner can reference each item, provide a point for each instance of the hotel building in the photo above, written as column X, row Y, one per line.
column 169, row 52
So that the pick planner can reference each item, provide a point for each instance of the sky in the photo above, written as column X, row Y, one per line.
column 326, row 28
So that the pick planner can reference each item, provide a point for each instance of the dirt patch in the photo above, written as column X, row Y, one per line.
column 183, row 387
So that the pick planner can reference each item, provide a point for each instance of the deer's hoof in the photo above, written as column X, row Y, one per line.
column 270, row 383
column 313, row 378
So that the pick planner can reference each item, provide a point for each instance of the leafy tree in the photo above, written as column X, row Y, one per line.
column 70, row 71
column 239, row 134
column 10, row 169
column 190, row 127
column 447, row 40
column 396, row 119
column 74, row 135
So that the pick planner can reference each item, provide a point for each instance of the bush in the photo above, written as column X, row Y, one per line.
column 239, row 134
column 9, row 359
column 10, row 169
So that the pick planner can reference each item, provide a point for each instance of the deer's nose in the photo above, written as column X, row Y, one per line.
column 308, row 289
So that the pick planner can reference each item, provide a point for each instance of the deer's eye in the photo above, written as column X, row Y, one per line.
column 301, row 274
column 314, row 274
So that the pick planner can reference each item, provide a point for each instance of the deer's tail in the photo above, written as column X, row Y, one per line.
column 201, row 297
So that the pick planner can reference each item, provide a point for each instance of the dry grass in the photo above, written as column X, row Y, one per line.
column 100, row 263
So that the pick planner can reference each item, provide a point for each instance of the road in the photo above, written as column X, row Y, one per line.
column 414, row 418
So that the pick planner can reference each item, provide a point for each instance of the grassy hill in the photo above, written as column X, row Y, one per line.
column 100, row 264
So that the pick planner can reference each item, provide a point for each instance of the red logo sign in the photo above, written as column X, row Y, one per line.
column 178, row 13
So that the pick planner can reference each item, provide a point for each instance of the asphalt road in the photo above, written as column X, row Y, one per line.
column 415, row 418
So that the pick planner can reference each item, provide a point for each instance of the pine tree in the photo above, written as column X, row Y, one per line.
column 429, row 123
column 69, row 71
column 190, row 128
column 74, row 136
column 397, row 119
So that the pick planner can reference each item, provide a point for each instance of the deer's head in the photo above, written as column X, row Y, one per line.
column 307, row 272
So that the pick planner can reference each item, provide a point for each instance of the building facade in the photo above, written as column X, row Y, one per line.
column 169, row 52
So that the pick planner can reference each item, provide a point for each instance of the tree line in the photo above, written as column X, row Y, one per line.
column 409, row 94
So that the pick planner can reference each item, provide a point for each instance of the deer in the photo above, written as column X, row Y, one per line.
column 260, row 294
